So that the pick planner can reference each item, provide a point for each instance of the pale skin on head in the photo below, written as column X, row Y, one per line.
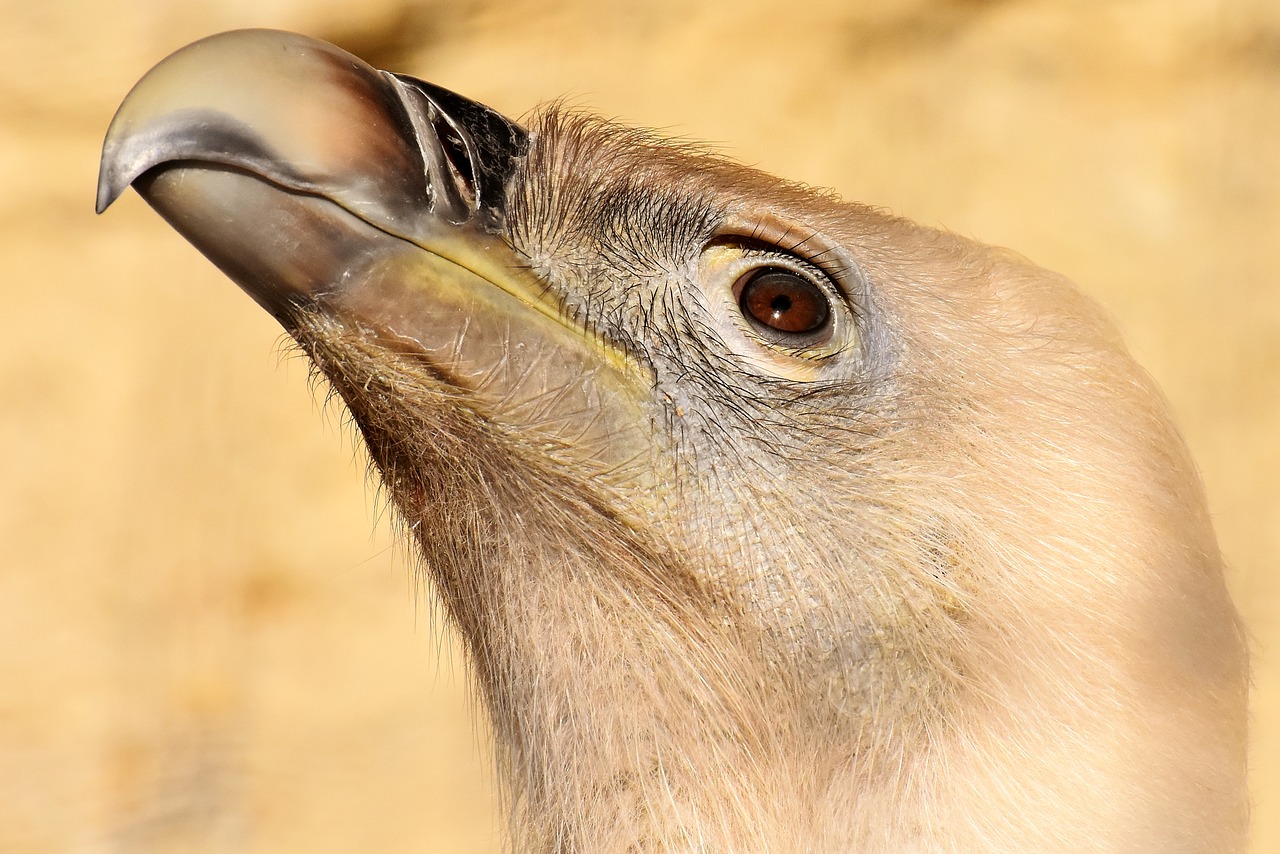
column 943, row 580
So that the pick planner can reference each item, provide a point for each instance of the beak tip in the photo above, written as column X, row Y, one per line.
column 111, row 180
column 105, row 197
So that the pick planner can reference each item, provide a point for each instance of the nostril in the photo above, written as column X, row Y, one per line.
column 469, row 151
column 455, row 151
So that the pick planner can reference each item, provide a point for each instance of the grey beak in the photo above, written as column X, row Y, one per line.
column 288, row 161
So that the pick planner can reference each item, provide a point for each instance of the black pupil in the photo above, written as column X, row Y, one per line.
column 784, row 301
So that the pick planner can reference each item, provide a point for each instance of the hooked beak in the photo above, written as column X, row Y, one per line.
column 330, row 135
column 319, row 183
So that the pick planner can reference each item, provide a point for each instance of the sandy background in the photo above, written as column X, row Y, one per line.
column 207, row 639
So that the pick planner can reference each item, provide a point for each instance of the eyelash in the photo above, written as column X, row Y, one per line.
column 778, row 256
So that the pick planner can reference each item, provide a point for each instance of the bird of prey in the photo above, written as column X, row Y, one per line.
column 771, row 522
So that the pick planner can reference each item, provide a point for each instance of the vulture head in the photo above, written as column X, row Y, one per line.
column 771, row 522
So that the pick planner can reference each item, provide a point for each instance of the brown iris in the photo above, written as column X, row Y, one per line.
column 786, row 306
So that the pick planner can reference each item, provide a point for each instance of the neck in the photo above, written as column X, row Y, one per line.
column 632, row 718
column 638, row 707
column 633, row 711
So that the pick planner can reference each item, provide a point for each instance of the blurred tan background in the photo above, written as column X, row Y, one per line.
column 208, row 641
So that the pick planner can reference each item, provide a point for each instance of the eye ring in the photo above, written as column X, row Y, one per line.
column 784, row 306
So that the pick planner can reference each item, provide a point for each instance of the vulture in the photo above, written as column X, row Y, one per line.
column 770, row 522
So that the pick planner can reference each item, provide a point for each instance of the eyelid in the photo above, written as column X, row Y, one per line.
column 841, row 293
column 771, row 235
column 722, row 265
column 752, row 248
column 744, row 240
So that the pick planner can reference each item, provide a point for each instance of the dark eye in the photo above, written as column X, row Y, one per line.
column 785, row 306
